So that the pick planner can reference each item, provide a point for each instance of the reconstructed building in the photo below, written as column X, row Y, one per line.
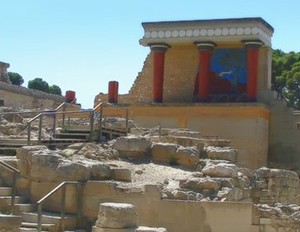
column 213, row 76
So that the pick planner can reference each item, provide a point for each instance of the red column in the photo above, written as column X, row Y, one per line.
column 252, row 48
column 113, row 89
column 202, row 89
column 70, row 96
column 158, row 71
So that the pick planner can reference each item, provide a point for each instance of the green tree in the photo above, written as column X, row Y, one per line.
column 15, row 78
column 286, row 76
column 39, row 84
column 54, row 89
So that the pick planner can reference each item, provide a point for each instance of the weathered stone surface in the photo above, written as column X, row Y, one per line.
column 220, row 170
column 178, row 194
column 281, row 173
column 221, row 153
column 98, row 229
column 199, row 184
column 187, row 156
column 10, row 223
column 174, row 154
column 101, row 172
column 132, row 146
column 39, row 163
column 246, row 171
column 150, row 229
column 262, row 173
column 89, row 150
column 116, row 215
column 164, row 152
column 121, row 174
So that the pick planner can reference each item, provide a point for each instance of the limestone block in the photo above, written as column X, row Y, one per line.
column 101, row 172
column 221, row 153
column 220, row 170
column 121, row 174
column 39, row 163
column 150, row 229
column 98, row 229
column 268, row 228
column 117, row 216
column 164, row 152
column 265, row 221
column 132, row 146
column 174, row 154
column 262, row 173
column 187, row 156
column 199, row 184
column 246, row 171
column 281, row 173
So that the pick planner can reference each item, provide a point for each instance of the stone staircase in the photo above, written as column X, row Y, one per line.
column 50, row 222
column 26, row 211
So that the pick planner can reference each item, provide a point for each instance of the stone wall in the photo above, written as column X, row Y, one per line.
column 3, row 73
column 13, row 95
column 247, row 126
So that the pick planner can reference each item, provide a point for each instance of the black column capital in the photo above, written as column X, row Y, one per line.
column 159, row 47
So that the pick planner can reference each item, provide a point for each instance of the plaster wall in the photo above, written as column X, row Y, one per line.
column 181, row 66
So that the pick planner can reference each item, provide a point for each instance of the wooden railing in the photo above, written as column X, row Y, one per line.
column 62, row 186
column 15, row 173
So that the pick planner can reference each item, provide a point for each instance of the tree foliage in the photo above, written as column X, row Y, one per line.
column 15, row 78
column 286, row 76
column 40, row 84
column 54, row 89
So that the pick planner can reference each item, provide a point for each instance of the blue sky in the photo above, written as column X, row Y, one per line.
column 81, row 45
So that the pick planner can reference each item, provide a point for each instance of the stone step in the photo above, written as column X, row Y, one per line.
column 45, row 226
column 25, row 229
column 72, row 135
column 21, row 208
column 51, row 218
column 6, row 200
column 5, row 191
column 9, row 221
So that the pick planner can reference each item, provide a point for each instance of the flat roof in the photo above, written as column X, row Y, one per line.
column 213, row 21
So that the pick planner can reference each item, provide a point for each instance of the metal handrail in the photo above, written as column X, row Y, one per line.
column 40, row 117
column 15, row 173
column 61, row 186
column 101, row 115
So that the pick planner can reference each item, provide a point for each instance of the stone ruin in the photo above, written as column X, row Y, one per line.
column 3, row 72
column 183, row 165
column 116, row 217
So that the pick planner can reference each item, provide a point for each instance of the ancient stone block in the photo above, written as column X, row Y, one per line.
column 121, row 174
column 150, row 229
column 199, row 184
column 117, row 216
column 98, row 229
column 101, row 172
column 220, row 170
column 221, row 153
column 132, row 146
column 164, row 152
column 174, row 154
